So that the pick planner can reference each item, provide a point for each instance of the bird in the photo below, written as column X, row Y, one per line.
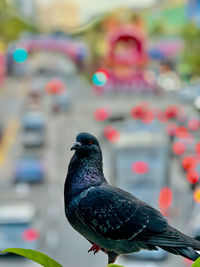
column 111, row 219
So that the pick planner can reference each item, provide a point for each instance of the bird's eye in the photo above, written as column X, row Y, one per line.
column 90, row 142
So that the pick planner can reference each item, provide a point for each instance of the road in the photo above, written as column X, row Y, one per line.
column 58, row 239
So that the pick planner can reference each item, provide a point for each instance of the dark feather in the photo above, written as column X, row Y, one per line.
column 112, row 218
column 115, row 214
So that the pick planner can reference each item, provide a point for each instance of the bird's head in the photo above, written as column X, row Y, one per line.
column 86, row 144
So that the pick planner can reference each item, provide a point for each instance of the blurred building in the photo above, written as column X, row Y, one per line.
column 193, row 11
column 26, row 9
column 59, row 15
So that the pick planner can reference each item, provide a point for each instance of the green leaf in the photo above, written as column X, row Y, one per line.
column 196, row 263
column 114, row 265
column 36, row 256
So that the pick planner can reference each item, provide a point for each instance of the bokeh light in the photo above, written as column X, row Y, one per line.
column 111, row 134
column 55, row 86
column 137, row 112
column 181, row 132
column 20, row 55
column 188, row 162
column 196, row 195
column 165, row 198
column 140, row 167
column 187, row 262
column 30, row 235
column 171, row 129
column 161, row 116
column 148, row 117
column 171, row 112
column 101, row 114
column 197, row 148
column 100, row 77
column 178, row 148
column 193, row 124
column 192, row 176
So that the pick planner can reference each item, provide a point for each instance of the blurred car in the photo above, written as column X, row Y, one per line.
column 64, row 68
column 33, row 130
column 140, row 161
column 61, row 102
column 17, row 226
column 37, row 85
column 29, row 170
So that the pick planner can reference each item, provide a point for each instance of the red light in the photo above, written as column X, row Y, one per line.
column 196, row 195
column 192, row 176
column 197, row 148
column 165, row 198
column 181, row 132
column 55, row 86
column 101, row 114
column 104, row 71
column 171, row 112
column 171, row 129
column 100, row 77
column 137, row 112
column 178, row 148
column 187, row 262
column 188, row 162
column 148, row 117
column 182, row 115
column 161, row 116
column 30, row 235
column 111, row 134
column 140, row 167
column 193, row 124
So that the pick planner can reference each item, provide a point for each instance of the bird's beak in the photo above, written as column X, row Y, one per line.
column 76, row 145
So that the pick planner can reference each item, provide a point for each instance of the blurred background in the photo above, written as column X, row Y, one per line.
column 127, row 71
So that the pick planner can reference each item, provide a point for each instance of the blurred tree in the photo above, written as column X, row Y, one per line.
column 160, row 28
column 10, row 24
column 191, row 35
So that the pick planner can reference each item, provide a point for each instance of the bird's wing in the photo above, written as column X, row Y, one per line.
column 115, row 214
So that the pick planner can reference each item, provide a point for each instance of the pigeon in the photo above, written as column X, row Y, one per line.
column 111, row 219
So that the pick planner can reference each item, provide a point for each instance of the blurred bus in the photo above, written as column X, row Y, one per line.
column 139, row 163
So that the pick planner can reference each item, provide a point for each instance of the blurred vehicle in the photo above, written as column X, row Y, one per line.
column 140, row 159
column 29, row 169
column 37, row 87
column 189, row 93
column 61, row 102
column 17, row 226
column 33, row 130
column 33, row 104
column 64, row 69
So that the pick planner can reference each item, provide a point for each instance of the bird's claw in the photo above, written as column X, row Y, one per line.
column 94, row 248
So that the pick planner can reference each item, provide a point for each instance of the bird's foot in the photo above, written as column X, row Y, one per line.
column 94, row 248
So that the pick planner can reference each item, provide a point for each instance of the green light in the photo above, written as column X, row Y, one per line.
column 20, row 55
column 99, row 78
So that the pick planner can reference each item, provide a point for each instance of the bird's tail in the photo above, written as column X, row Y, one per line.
column 187, row 252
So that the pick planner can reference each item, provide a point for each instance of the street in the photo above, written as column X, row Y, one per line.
column 57, row 238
